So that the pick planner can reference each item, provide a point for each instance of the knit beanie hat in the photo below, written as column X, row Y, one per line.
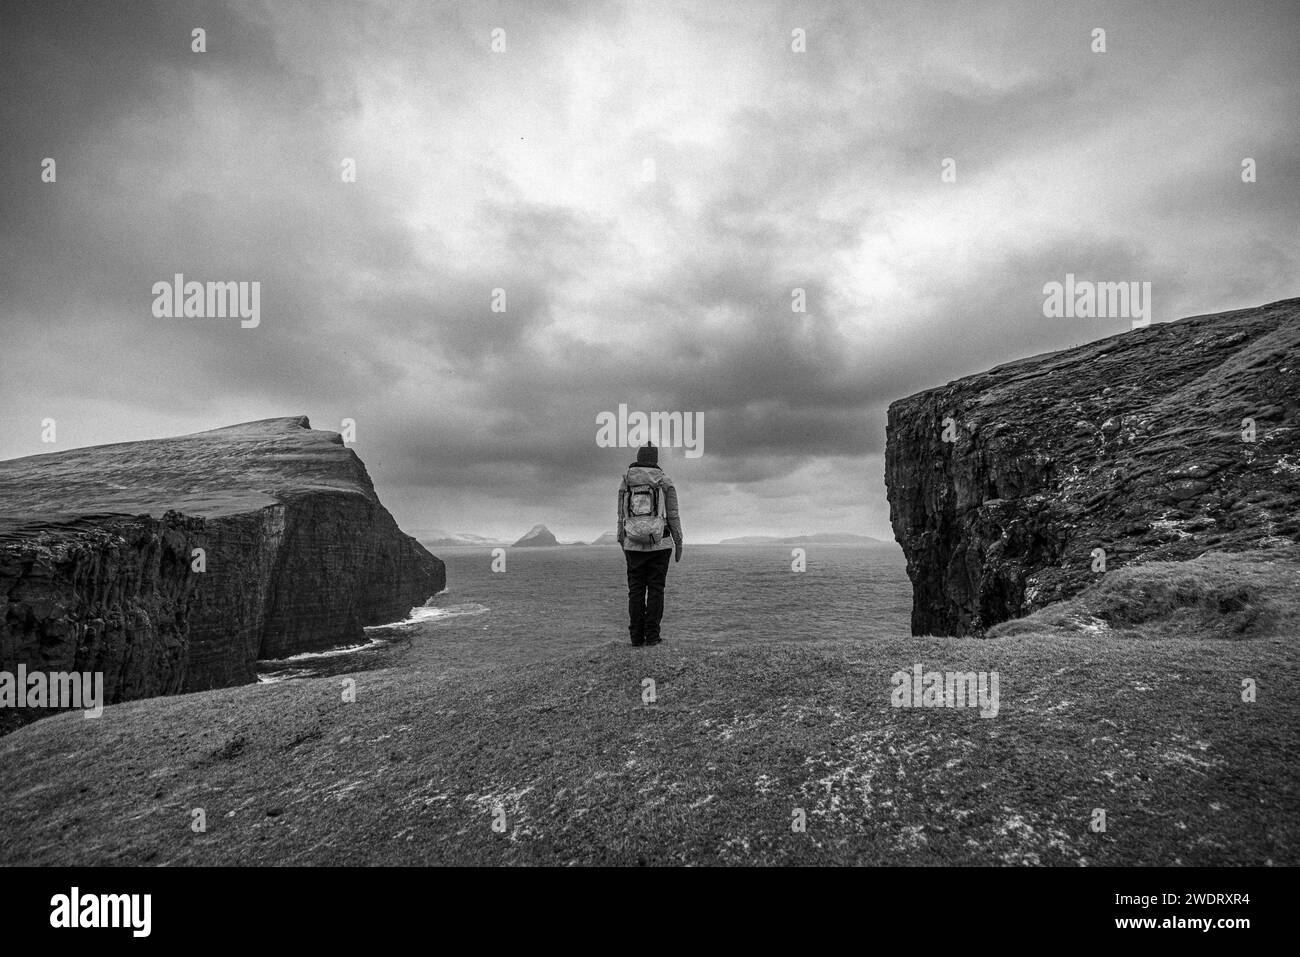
column 647, row 454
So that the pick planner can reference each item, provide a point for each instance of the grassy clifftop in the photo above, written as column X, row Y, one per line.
column 1142, row 722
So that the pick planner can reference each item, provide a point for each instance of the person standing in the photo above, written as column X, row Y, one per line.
column 649, row 530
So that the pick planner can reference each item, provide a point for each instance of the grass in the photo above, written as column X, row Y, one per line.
column 1216, row 595
column 1152, row 731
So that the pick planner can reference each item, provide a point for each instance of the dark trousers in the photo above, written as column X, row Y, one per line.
column 646, row 574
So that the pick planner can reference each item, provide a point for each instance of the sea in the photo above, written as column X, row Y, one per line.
column 568, row 599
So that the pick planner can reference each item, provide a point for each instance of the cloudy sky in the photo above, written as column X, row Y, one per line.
column 648, row 182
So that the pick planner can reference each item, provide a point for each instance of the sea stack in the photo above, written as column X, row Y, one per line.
column 1007, row 488
column 175, row 564
column 539, row 536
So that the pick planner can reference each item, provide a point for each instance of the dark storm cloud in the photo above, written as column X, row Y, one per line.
column 527, row 172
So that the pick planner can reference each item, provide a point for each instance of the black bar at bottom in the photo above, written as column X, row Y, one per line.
column 945, row 906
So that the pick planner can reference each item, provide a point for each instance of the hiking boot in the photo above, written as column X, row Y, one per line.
column 656, row 640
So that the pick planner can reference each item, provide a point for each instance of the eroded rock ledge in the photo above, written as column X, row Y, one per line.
column 96, row 549
column 1132, row 444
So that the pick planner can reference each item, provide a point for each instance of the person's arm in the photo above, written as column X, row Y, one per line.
column 674, row 520
column 622, row 506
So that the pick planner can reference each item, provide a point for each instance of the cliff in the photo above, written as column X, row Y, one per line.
column 1136, row 445
column 97, row 557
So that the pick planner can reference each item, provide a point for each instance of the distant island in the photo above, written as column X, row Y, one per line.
column 539, row 536
column 440, row 539
column 821, row 538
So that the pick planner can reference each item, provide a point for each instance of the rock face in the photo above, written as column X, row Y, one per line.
column 1136, row 445
column 538, row 536
column 97, row 557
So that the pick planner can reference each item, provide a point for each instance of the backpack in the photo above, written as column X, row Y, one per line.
column 645, row 522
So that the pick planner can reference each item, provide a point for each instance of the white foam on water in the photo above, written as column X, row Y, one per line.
column 370, row 645
column 431, row 613
column 423, row 613
column 273, row 677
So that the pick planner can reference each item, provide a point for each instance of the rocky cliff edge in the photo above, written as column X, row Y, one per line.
column 99, row 569
column 1008, row 489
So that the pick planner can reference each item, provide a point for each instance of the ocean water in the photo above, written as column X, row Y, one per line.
column 566, row 599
